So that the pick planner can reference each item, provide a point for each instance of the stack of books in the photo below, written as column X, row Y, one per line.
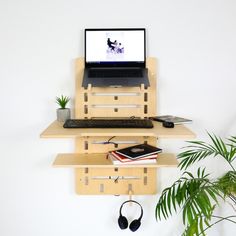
column 138, row 154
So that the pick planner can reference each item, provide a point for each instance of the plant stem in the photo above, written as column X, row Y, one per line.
column 232, row 166
column 232, row 197
column 220, row 219
column 227, row 160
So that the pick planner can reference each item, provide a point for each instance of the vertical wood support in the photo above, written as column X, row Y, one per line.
column 114, row 102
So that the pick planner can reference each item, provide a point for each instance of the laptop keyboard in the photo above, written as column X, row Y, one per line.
column 107, row 123
column 115, row 73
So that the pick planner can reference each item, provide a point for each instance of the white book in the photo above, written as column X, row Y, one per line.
column 132, row 162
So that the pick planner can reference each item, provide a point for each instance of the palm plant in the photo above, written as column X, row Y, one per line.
column 198, row 196
column 62, row 101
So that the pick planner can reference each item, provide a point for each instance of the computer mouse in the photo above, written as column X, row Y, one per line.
column 168, row 124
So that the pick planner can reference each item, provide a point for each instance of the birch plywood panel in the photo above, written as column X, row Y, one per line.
column 95, row 144
column 115, row 181
column 115, row 102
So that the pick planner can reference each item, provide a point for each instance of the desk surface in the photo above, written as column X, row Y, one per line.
column 56, row 130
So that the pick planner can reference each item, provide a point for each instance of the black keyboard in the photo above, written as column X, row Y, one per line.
column 115, row 73
column 108, row 123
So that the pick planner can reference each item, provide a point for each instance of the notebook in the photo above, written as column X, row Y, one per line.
column 115, row 57
column 138, row 151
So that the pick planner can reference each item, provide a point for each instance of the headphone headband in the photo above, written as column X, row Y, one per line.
column 133, row 202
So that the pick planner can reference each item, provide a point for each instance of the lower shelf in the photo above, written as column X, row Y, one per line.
column 99, row 160
column 96, row 175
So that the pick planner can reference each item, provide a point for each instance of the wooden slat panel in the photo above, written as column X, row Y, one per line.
column 91, row 100
column 88, row 181
column 93, row 144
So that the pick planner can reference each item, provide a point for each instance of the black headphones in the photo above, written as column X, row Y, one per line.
column 123, row 222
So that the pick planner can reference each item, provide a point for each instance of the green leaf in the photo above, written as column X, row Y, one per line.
column 62, row 101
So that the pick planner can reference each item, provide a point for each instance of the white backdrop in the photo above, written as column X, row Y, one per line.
column 194, row 42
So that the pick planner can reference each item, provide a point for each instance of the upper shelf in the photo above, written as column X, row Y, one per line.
column 56, row 130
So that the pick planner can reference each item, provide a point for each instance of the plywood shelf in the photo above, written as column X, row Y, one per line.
column 99, row 160
column 56, row 130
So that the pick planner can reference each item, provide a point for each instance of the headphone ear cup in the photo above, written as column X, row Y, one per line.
column 123, row 222
column 134, row 225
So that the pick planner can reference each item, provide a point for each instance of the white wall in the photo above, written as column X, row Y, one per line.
column 194, row 41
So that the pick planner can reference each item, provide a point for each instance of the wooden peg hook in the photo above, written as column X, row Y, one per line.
column 130, row 196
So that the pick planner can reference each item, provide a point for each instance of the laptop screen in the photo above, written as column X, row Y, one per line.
column 115, row 47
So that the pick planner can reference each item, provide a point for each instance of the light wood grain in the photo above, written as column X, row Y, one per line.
column 56, row 130
column 95, row 144
column 99, row 160
column 145, row 100
column 95, row 181
column 94, row 173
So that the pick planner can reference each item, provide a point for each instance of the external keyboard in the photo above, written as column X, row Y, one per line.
column 108, row 123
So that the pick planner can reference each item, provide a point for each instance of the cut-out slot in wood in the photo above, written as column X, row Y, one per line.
column 115, row 106
column 117, row 142
column 101, row 188
column 86, row 180
column 116, row 178
column 116, row 94
column 115, row 97
column 145, row 97
column 85, row 97
column 115, row 109
column 85, row 145
column 85, row 109
column 145, row 180
column 130, row 189
column 145, row 109
column 145, row 170
column 86, row 170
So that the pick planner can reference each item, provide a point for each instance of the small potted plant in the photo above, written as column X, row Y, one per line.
column 63, row 113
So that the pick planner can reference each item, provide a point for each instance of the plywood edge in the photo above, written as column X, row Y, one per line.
column 99, row 160
column 56, row 130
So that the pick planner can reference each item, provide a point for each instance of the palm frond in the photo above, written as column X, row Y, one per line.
column 199, row 150
column 197, row 226
column 196, row 152
column 233, row 139
column 195, row 195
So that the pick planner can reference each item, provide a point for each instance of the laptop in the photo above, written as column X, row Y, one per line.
column 115, row 58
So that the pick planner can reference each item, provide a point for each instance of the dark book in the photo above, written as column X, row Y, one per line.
column 174, row 119
column 124, row 159
column 138, row 151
